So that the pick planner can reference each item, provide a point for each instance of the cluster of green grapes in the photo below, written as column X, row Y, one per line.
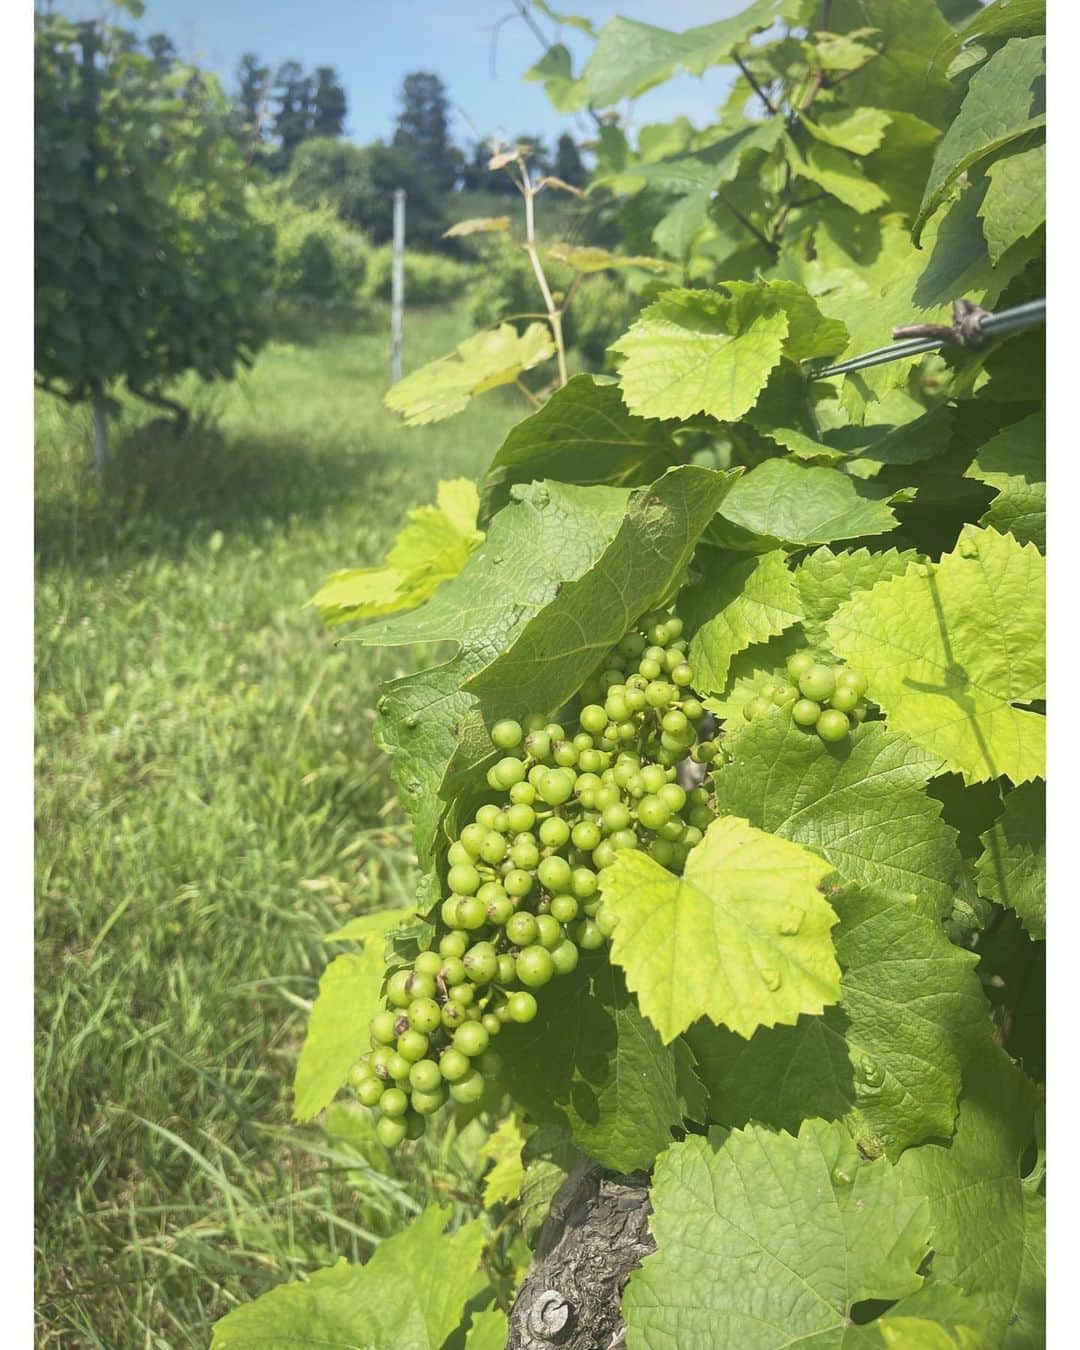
column 828, row 699
column 526, row 874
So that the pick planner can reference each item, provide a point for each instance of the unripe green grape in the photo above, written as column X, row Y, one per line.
column 500, row 909
column 650, row 668
column 469, row 1090
column 412, row 1045
column 664, row 756
column 424, row 1076
column 506, row 972
column 525, row 855
column 554, row 832
column 424, row 1014
column 458, row 853
column 692, row 835
column 369, row 1092
column 700, row 817
column 453, row 1015
column 817, row 683
column 549, row 932
column 452, row 971
column 521, row 1006
column 704, row 752
column 379, row 1059
column 585, row 835
column 657, row 633
column 607, row 794
column 564, row 908
column 587, row 936
column 428, row 963
column 605, row 921
column 521, row 929
column 672, row 795
column 761, row 706
column 683, row 675
column 508, row 771
column 398, row 1066
column 565, row 754
column 853, row 679
column 390, row 1131
column 590, row 907
column 493, row 849
column 426, row 1103
column 615, row 817
column 583, row 741
column 623, row 771
column 615, row 708
column 414, row 1125
column 658, row 693
column 487, row 815
column 481, row 962
column 844, row 698
column 393, row 1102
column 673, row 829
column 556, row 731
column 472, row 836
column 453, row 1065
column 520, row 817
column 507, row 734
column 491, row 1024
column 798, row 665
column 382, row 1027
column 613, row 677
column 470, row 913
column 534, row 722
column 448, row 911
column 471, row 1039
column 832, row 725
column 653, row 812
column 653, row 777
column 592, row 761
column 805, row 712
column 603, row 855
column 535, row 967
column 556, row 786
column 634, row 698
column 673, row 657
column 536, row 773
column 693, row 709
column 463, row 994
column 554, row 873
column 538, row 744
column 360, row 1072
column 858, row 713
column 522, row 794
column 674, row 627
column 463, row 879
column 631, row 645
column 623, row 839
column 398, row 989
column 784, row 694
column 583, row 883
column 662, row 851
column 564, row 957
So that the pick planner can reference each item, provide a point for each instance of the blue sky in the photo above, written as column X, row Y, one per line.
column 373, row 43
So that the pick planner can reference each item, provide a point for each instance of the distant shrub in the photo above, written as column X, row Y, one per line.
column 316, row 256
column 602, row 310
column 429, row 278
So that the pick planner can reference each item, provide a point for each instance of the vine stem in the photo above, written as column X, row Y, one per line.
column 554, row 313
column 749, row 78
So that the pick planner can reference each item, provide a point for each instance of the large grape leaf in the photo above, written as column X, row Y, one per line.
column 698, row 351
column 837, row 174
column 1012, row 866
column 785, row 500
column 902, row 78
column 631, row 57
column 951, row 648
column 742, row 937
column 889, row 1058
column 736, row 603
column 1014, row 462
column 549, row 657
column 860, row 805
column 1015, row 203
column 412, row 1292
column 999, row 19
column 593, row 1065
column 857, row 130
column 481, row 362
column 768, row 1241
column 340, row 1018
column 988, row 1221
column 546, row 536
column 825, row 580
column 1005, row 99
column 582, row 434
column 433, row 547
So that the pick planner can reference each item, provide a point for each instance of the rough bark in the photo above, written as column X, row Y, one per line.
column 595, row 1234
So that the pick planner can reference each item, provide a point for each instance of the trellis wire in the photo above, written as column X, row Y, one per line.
column 1027, row 315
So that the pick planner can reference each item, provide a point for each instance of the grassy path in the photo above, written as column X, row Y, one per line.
column 209, row 802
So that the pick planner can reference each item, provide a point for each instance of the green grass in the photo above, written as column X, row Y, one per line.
column 209, row 802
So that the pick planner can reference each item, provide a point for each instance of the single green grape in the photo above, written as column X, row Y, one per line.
column 524, row 854
column 393, row 1102
column 554, row 832
column 585, row 835
column 521, row 929
column 521, row 1006
column 500, row 908
column 605, row 921
column 583, row 883
column 491, row 1024
column 382, row 1028
column 587, row 936
column 507, row 734
column 853, row 679
column 452, row 971
column 470, row 913
column 805, row 712
column 428, row 963
column 412, row 1045
column 472, row 1038
column 426, row 1103
column 414, row 1125
column 424, row 1014
column 390, row 1131
column 784, row 694
column 833, row 725
column 424, row 1075
column 453, row 1065
column 554, row 874
column 487, row 815
column 564, row 908
column 397, row 989
column 517, row 882
column 520, row 817
column 453, row 944
column 458, row 853
column 817, row 683
column 534, row 967
column 469, row 1090
column 463, row 879
column 506, row 970
column 481, row 962
column 671, row 794
column 370, row 1091
column 798, row 664
column 653, row 812
column 556, row 786
column 464, row 994
column 508, row 771
column 844, row 698
column 549, row 931
column 522, row 794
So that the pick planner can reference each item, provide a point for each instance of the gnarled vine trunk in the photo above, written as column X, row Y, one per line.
column 595, row 1234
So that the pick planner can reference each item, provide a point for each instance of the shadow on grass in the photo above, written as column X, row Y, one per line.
column 163, row 489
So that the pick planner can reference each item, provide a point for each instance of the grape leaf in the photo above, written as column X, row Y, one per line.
column 742, row 937
column 805, row 505
column 1014, row 462
column 696, row 351
column 477, row 225
column 860, row 805
column 889, row 1058
column 487, row 1331
column 434, row 546
column 502, row 1149
column 592, row 1064
column 337, row 1029
column 837, row 174
column 902, row 77
column 951, row 648
column 1005, row 99
column 936, row 1317
column 988, row 1221
column 411, row 1292
column 1015, row 203
column 582, row 434
column 825, row 580
column 481, row 362
column 858, row 130
column 1012, row 867
column 802, row 1229
column 736, row 604
column 587, row 258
